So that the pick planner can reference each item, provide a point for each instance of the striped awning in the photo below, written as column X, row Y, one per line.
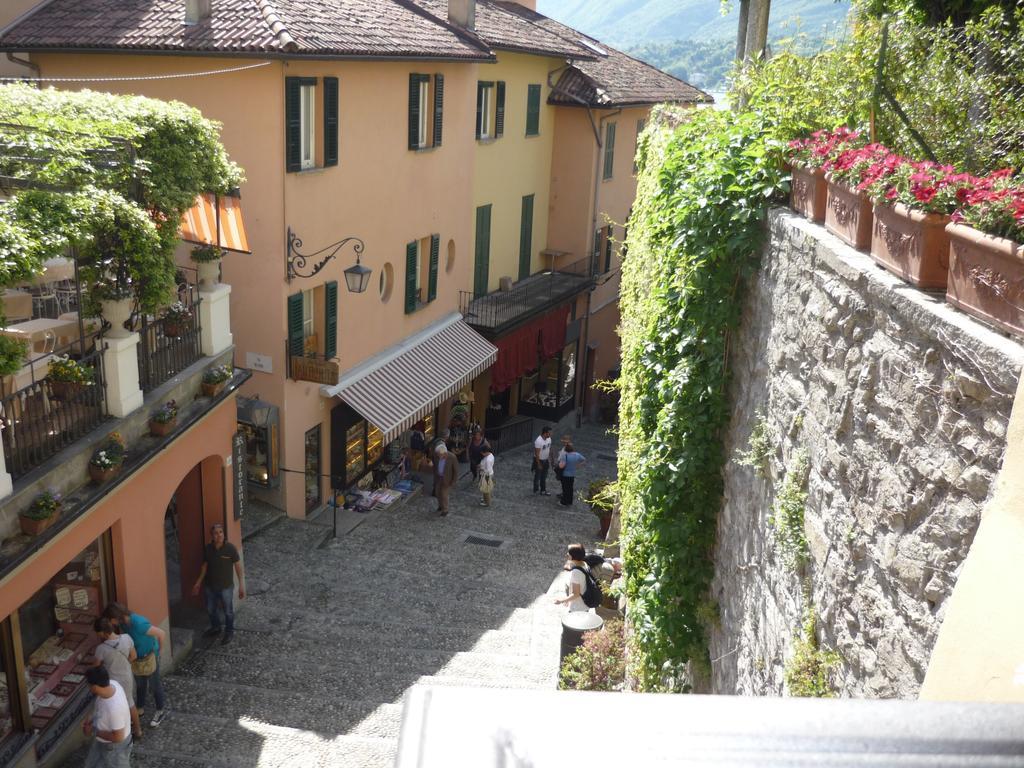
column 400, row 386
column 199, row 224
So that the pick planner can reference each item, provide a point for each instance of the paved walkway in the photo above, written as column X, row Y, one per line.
column 322, row 659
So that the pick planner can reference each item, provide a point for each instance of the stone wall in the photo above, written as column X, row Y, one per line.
column 901, row 405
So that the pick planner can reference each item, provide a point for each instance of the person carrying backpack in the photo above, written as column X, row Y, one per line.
column 581, row 589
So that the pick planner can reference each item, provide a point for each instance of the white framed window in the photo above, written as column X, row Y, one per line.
column 487, row 111
column 424, row 125
column 307, row 137
column 308, row 316
column 419, row 270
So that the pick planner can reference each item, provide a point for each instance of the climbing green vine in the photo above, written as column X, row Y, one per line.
column 694, row 239
column 787, row 518
column 807, row 671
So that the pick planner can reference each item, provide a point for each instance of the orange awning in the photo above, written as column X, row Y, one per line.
column 199, row 224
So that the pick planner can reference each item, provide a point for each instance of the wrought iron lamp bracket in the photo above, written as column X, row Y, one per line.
column 296, row 262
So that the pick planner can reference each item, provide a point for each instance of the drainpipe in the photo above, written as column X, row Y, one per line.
column 26, row 63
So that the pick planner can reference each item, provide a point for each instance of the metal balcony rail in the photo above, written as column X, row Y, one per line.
column 516, row 431
column 168, row 346
column 40, row 416
column 498, row 308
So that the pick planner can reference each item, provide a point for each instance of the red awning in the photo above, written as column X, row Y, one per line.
column 521, row 350
column 200, row 223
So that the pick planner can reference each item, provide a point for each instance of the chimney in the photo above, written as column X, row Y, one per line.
column 196, row 11
column 531, row 4
column 463, row 13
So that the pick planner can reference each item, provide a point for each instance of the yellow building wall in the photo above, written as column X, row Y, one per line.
column 514, row 165
column 10, row 10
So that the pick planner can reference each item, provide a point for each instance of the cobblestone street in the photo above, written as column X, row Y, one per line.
column 322, row 658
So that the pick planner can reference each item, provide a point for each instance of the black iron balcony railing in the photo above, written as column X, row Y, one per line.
column 499, row 309
column 41, row 416
column 169, row 344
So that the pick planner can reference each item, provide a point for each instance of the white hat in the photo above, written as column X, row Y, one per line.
column 441, row 448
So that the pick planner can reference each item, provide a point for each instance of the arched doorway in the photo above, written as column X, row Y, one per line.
column 197, row 503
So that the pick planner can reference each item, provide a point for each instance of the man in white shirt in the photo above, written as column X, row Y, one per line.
column 541, row 461
column 110, row 724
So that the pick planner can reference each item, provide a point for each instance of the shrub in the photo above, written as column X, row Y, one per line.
column 787, row 518
column 599, row 664
column 12, row 354
column 601, row 495
column 808, row 669
column 204, row 254
column 760, row 447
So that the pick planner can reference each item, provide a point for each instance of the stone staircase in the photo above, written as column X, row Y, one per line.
column 322, row 659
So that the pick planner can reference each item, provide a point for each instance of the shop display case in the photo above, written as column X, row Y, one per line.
column 374, row 445
column 259, row 422
column 355, row 455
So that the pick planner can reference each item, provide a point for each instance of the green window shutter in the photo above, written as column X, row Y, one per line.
column 414, row 111
column 330, row 121
column 499, row 110
column 435, row 248
column 609, row 150
column 482, row 257
column 295, row 335
column 608, row 248
column 330, row 319
column 479, row 107
column 533, row 110
column 410, row 278
column 596, row 253
column 526, row 237
column 292, row 123
column 438, row 108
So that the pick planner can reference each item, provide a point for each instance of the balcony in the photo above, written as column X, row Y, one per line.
column 495, row 313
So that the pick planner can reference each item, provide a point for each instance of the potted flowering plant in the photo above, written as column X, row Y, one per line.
column 164, row 420
column 913, row 202
column 107, row 459
column 986, row 258
column 601, row 499
column 41, row 513
column 68, row 377
column 176, row 319
column 807, row 158
column 214, row 379
column 847, row 209
column 207, row 259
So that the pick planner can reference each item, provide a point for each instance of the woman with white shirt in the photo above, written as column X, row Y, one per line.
column 576, row 584
column 486, row 473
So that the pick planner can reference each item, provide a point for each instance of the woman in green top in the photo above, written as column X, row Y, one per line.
column 148, row 640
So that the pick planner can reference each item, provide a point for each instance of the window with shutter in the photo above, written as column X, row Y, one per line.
column 499, row 111
column 435, row 250
column 438, row 108
column 296, row 331
column 526, row 237
column 533, row 110
column 608, row 248
column 485, row 110
column 414, row 111
column 293, row 123
column 609, row 150
column 330, row 319
column 411, row 275
column 640, row 124
column 482, row 250
column 330, row 121
column 595, row 254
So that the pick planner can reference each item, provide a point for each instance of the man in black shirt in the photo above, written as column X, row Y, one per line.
column 219, row 559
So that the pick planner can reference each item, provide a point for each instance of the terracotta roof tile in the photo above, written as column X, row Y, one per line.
column 385, row 28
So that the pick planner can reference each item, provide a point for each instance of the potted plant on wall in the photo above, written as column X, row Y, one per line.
column 215, row 378
column 177, row 319
column 41, row 513
column 207, row 259
column 847, row 209
column 68, row 377
column 986, row 258
column 807, row 158
column 601, row 499
column 164, row 420
column 107, row 459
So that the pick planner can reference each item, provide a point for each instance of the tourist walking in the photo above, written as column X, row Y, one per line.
column 110, row 724
column 476, row 449
column 220, row 558
column 446, row 472
column 116, row 652
column 486, row 475
column 146, row 667
column 542, row 461
column 570, row 463
column 576, row 584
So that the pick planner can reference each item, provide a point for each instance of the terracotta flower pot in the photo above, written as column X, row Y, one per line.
column 174, row 328
column 212, row 390
column 911, row 244
column 808, row 192
column 64, row 390
column 986, row 277
column 605, row 519
column 162, row 428
column 848, row 215
column 99, row 475
column 32, row 527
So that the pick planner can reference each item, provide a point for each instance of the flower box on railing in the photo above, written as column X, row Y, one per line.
column 911, row 244
column 848, row 214
column 808, row 192
column 986, row 277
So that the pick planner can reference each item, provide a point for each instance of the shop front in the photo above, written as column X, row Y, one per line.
column 419, row 385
